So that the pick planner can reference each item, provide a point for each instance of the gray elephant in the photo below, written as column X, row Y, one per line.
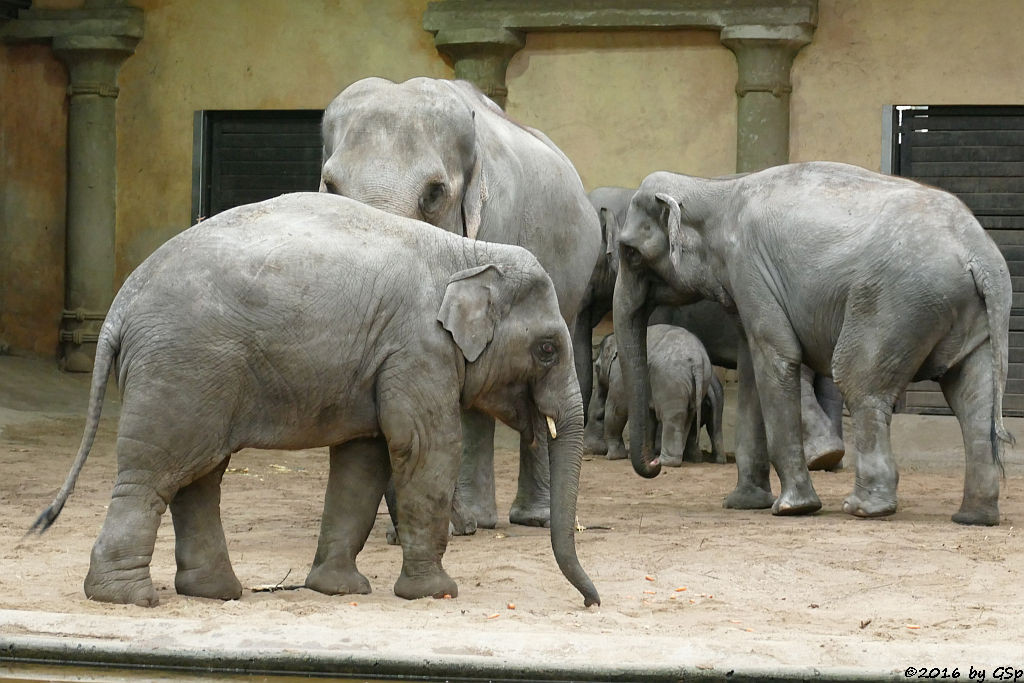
column 311, row 320
column 719, row 332
column 685, row 396
column 442, row 152
column 873, row 280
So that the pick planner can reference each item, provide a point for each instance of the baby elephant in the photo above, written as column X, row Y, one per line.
column 313, row 320
column 685, row 396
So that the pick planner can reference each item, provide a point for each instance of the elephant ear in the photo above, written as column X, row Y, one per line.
column 474, row 195
column 469, row 308
column 610, row 232
column 681, row 238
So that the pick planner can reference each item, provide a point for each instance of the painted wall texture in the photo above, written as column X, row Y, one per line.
column 619, row 104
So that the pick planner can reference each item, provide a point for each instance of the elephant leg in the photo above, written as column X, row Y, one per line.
column 593, row 433
column 583, row 357
column 874, row 489
column 532, row 504
column 475, row 486
column 204, row 568
column 424, row 489
column 359, row 473
column 823, row 448
column 714, row 408
column 391, row 535
column 831, row 401
column 968, row 388
column 753, row 489
column 775, row 353
column 120, row 558
column 674, row 436
column 615, row 415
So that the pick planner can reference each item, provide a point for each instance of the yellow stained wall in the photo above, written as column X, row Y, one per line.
column 620, row 105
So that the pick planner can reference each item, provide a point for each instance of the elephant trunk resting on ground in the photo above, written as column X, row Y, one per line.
column 312, row 320
column 873, row 280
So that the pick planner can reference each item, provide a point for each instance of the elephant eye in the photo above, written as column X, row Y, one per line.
column 432, row 198
column 547, row 352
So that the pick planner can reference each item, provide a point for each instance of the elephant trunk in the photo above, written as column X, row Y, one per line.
column 631, row 313
column 565, row 453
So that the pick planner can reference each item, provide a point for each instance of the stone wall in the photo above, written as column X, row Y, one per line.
column 620, row 104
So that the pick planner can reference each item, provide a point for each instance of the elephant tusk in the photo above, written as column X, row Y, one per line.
column 551, row 427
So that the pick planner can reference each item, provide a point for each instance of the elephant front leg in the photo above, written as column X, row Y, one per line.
column 753, row 489
column 476, row 506
column 532, row 504
column 615, row 416
column 424, row 489
column 358, row 476
column 778, row 384
column 204, row 568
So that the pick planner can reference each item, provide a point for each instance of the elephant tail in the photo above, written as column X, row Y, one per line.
column 996, row 290
column 106, row 351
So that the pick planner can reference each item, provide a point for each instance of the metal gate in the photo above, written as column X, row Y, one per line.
column 240, row 157
column 977, row 153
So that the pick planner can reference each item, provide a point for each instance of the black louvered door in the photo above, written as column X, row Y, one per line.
column 248, row 156
column 977, row 153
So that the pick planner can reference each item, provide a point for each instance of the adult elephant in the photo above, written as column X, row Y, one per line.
column 873, row 280
column 442, row 152
column 719, row 332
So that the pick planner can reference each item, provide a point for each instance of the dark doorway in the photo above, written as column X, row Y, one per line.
column 241, row 157
column 977, row 153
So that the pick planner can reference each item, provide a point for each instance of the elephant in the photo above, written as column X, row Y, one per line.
column 685, row 396
column 311, row 320
column 442, row 152
column 873, row 280
column 718, row 331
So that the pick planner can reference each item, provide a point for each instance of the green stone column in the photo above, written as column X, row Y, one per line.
column 481, row 56
column 764, row 56
column 92, row 41
column 93, row 63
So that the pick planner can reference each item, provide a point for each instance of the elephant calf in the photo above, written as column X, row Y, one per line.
column 685, row 396
column 313, row 320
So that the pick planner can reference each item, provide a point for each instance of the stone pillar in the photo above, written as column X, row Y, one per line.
column 92, row 41
column 93, row 63
column 481, row 56
column 764, row 55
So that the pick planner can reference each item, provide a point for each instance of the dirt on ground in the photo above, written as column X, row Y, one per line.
column 667, row 559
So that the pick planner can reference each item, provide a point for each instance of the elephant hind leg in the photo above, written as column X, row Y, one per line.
column 968, row 389
column 359, row 473
column 201, row 551
column 120, row 558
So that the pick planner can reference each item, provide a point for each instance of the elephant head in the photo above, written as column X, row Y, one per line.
column 409, row 149
column 662, row 260
column 519, row 369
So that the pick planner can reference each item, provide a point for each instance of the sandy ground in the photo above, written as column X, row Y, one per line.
column 704, row 586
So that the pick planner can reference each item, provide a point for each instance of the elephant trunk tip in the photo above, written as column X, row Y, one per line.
column 648, row 469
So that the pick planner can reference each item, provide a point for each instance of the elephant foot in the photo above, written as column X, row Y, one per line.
column 716, row 457
column 436, row 584
column 671, row 459
column 391, row 535
column 616, row 452
column 796, row 503
column 824, row 454
column 337, row 580
column 594, row 444
column 125, row 587
column 481, row 519
column 530, row 515
column 978, row 515
column 866, row 505
column 463, row 521
column 204, row 582
column 748, row 497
